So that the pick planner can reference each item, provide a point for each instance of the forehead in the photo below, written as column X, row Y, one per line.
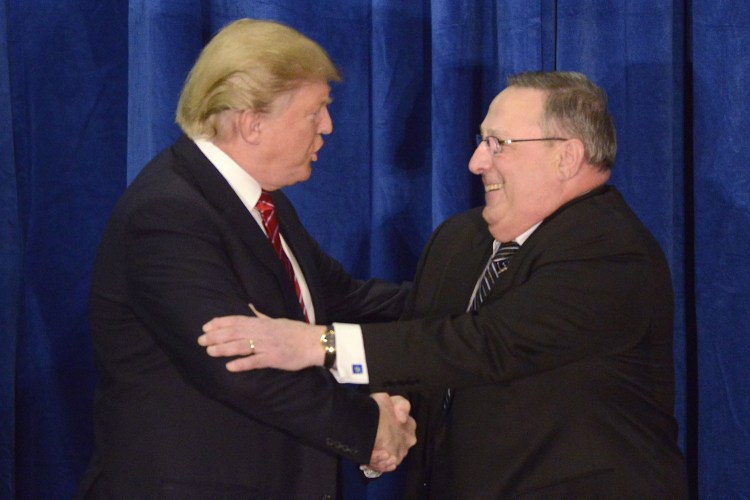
column 514, row 110
column 307, row 95
column 312, row 93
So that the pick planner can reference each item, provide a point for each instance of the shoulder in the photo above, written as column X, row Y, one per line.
column 165, row 193
column 458, row 233
column 469, row 222
column 599, row 222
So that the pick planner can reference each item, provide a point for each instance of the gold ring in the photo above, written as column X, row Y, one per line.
column 252, row 346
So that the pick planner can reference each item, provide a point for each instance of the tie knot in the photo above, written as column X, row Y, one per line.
column 265, row 202
column 506, row 250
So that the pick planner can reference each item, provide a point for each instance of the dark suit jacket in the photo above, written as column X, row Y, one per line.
column 564, row 378
column 171, row 422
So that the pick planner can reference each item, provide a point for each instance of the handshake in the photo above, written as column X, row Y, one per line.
column 396, row 434
column 264, row 342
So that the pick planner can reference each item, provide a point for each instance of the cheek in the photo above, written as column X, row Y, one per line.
column 497, row 203
column 303, row 139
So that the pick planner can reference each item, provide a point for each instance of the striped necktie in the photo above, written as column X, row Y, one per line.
column 495, row 268
column 268, row 214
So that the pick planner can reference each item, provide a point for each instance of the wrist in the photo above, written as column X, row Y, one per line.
column 328, row 343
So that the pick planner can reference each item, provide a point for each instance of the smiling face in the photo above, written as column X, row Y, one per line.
column 291, row 136
column 523, row 183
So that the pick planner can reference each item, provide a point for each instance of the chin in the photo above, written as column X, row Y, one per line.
column 487, row 215
column 492, row 215
column 305, row 172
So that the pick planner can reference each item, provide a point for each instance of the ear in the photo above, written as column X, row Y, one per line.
column 572, row 158
column 250, row 125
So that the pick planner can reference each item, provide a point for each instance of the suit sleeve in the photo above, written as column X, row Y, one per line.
column 180, row 273
column 346, row 299
column 586, row 298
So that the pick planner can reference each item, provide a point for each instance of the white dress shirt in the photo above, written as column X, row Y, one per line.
column 249, row 191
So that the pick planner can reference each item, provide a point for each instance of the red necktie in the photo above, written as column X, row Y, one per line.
column 268, row 214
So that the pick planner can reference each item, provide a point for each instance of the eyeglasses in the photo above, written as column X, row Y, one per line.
column 496, row 145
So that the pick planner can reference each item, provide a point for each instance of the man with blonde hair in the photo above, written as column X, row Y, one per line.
column 203, row 231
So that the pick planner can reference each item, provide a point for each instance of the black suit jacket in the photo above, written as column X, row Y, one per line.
column 171, row 422
column 564, row 378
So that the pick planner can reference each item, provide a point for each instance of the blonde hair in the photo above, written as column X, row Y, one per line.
column 247, row 65
column 575, row 106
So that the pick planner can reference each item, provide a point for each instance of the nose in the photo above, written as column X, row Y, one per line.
column 325, row 126
column 480, row 160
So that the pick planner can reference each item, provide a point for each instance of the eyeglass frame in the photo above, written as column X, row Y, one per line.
column 504, row 142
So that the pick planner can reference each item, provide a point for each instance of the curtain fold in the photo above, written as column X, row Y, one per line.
column 721, row 128
column 10, row 271
column 64, row 143
column 88, row 91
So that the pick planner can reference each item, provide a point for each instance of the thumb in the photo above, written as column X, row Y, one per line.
column 256, row 312
column 401, row 407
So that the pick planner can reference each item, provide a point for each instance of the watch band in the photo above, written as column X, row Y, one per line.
column 328, row 341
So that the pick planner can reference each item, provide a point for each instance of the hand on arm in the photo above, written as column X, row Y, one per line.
column 292, row 345
column 265, row 342
column 396, row 433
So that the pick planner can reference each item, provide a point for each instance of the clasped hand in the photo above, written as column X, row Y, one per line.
column 265, row 342
column 396, row 432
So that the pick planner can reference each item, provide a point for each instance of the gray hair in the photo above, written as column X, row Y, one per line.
column 575, row 106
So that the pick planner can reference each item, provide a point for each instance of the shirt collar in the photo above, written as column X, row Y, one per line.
column 520, row 239
column 242, row 183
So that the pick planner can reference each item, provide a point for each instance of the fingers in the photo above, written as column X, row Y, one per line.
column 287, row 344
column 383, row 467
column 227, row 325
column 228, row 329
column 402, row 407
column 396, row 432
column 224, row 322
column 256, row 312
column 381, row 461
column 248, row 363
column 383, row 399
column 242, row 347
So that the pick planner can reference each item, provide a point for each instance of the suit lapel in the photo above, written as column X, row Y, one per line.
column 471, row 263
column 455, row 287
column 219, row 193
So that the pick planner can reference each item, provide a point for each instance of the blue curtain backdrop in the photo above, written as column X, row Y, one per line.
column 87, row 95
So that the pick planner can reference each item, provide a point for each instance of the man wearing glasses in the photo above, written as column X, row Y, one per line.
column 540, row 331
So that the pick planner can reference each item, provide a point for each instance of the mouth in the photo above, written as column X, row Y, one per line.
column 314, row 155
column 493, row 187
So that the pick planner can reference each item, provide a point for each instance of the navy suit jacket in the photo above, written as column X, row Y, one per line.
column 172, row 422
column 564, row 377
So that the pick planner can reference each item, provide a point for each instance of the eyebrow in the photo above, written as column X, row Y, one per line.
column 323, row 103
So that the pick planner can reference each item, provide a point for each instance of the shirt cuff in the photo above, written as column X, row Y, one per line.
column 351, row 365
